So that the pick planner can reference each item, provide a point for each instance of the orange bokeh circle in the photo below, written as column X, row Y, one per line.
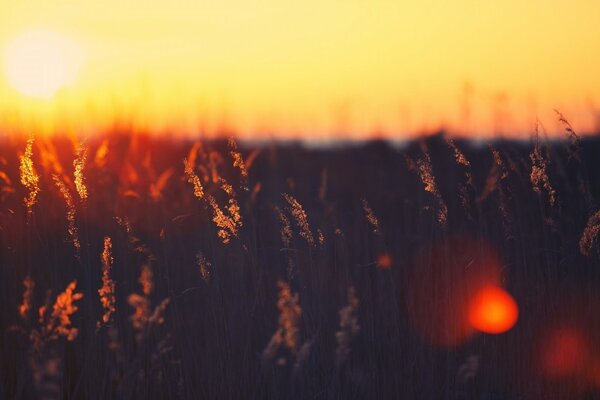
column 493, row 310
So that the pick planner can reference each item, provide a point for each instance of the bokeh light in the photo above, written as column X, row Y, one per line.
column 442, row 284
column 493, row 310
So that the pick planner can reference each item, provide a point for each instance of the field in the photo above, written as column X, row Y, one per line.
column 141, row 267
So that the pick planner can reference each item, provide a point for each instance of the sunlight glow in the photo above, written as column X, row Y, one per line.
column 313, row 69
column 39, row 63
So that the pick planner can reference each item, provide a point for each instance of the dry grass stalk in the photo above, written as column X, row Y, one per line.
column 79, row 166
column 71, row 213
column 370, row 216
column 458, row 155
column 227, row 188
column 289, row 316
column 300, row 217
column 499, row 163
column 320, row 237
column 107, row 291
column 287, row 333
column 226, row 224
column 590, row 233
column 286, row 228
column 214, row 160
column 143, row 317
column 238, row 161
column 193, row 179
column 232, row 205
column 193, row 154
column 574, row 140
column 29, row 177
column 251, row 158
column 26, row 305
column 49, row 159
column 157, row 188
column 141, row 313
column 539, row 177
column 497, row 173
column 58, row 323
column 146, row 279
column 428, row 179
column 101, row 154
column 460, row 159
column 349, row 328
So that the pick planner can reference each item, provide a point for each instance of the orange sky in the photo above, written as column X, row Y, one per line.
column 315, row 68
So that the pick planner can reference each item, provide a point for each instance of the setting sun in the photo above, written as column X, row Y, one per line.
column 40, row 63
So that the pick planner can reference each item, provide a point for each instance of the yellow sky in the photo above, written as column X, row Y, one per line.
column 316, row 66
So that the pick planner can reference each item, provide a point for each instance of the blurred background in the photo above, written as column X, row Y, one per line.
column 311, row 69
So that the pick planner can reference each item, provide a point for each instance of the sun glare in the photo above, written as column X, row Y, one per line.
column 40, row 63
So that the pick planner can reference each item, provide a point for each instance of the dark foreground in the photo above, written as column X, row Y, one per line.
column 322, row 274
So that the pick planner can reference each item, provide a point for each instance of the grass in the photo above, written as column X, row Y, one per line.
column 283, row 272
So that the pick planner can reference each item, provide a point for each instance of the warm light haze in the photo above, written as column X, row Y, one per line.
column 39, row 63
column 319, row 69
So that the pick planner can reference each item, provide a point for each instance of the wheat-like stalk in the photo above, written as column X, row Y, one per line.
column 574, row 140
column 287, row 333
column 49, row 159
column 460, row 159
column 107, row 291
column 79, row 166
column 143, row 317
column 539, row 165
column 238, row 160
column 58, row 322
column 497, row 173
column 226, row 224
column 300, row 217
column 193, row 179
column 590, row 233
column 29, row 177
column 233, row 207
column 371, row 216
column 289, row 315
column 71, row 213
column 286, row 227
column 494, row 183
column 426, row 174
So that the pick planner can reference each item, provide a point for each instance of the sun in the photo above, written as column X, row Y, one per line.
column 39, row 63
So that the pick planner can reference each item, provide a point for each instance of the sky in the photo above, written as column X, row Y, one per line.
column 316, row 69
